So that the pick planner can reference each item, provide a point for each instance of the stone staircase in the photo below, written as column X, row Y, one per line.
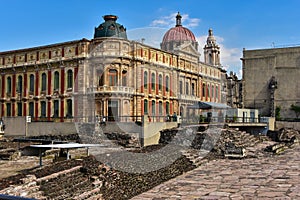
column 197, row 157
column 66, row 184
column 70, row 184
column 29, row 189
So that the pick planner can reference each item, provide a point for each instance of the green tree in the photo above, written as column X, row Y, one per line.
column 277, row 112
column 296, row 109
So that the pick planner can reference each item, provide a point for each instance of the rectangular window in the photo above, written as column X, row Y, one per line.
column 145, row 107
column 153, row 81
column 20, row 84
column 187, row 88
column 160, row 82
column 70, row 79
column 56, row 108
column 167, row 108
column 8, row 109
column 8, row 85
column 167, row 84
column 180, row 87
column 44, row 82
column 145, row 80
column 31, row 109
column 43, row 109
column 69, row 109
column 113, row 77
column 160, row 108
column 56, row 80
column 19, row 105
column 193, row 89
column 31, row 83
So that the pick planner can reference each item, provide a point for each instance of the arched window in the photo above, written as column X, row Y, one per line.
column 56, row 80
column 8, row 85
column 43, row 109
column 70, row 78
column 124, row 78
column 20, row 85
column 160, row 108
column 212, row 91
column 31, row 83
column 167, row 108
column 160, row 82
column 217, row 92
column 153, row 81
column 153, row 107
column 113, row 77
column 145, row 80
column 145, row 107
column 167, row 83
column 44, row 82
column 69, row 109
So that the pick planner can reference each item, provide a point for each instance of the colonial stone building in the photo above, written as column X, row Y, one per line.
column 271, row 80
column 234, row 88
column 111, row 76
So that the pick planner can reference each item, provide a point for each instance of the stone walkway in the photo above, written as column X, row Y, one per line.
column 276, row 177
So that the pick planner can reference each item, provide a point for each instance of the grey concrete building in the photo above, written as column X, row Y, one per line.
column 271, row 80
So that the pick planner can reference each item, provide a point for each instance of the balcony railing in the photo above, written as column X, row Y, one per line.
column 115, row 89
column 188, row 97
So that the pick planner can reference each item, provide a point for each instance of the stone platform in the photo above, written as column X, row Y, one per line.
column 276, row 177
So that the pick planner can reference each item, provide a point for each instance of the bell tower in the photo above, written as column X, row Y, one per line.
column 211, row 50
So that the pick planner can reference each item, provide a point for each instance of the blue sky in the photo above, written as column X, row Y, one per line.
column 237, row 24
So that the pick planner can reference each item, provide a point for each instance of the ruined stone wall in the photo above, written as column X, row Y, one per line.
column 292, row 125
column 51, row 128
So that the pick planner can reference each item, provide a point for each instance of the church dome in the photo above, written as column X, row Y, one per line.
column 177, row 36
column 179, row 33
column 110, row 28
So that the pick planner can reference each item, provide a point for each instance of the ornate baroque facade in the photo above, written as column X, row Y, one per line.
column 110, row 76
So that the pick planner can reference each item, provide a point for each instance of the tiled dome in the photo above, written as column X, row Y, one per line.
column 178, row 33
column 110, row 28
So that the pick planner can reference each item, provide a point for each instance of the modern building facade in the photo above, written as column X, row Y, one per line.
column 271, row 80
column 110, row 76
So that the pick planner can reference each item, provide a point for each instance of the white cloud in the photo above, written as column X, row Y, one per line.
column 170, row 21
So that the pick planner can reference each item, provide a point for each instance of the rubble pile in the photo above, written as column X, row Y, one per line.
column 122, row 185
column 234, row 143
column 284, row 138
column 123, row 139
column 70, row 137
column 219, row 142
column 8, row 154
